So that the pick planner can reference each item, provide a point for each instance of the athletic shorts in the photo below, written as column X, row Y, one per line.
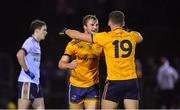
column 117, row 90
column 30, row 91
column 78, row 95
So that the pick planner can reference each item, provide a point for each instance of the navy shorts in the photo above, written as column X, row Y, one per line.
column 117, row 90
column 78, row 95
column 30, row 91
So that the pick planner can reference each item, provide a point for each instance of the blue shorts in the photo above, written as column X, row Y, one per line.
column 118, row 90
column 77, row 95
column 30, row 91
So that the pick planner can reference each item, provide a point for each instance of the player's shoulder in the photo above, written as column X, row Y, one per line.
column 135, row 33
column 100, row 33
column 29, row 41
column 131, row 33
column 74, row 42
column 112, row 33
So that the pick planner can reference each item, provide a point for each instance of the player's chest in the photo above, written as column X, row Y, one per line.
column 36, row 51
column 88, row 49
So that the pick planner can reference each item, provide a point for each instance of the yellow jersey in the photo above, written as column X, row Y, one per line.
column 87, row 56
column 119, row 49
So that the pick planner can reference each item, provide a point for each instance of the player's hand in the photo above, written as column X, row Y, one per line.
column 30, row 74
column 62, row 32
column 73, row 64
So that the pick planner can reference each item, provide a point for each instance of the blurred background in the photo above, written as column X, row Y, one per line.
column 157, row 21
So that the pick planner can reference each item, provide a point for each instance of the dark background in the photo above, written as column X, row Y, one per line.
column 157, row 21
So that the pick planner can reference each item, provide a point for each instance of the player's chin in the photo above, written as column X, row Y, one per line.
column 43, row 37
column 94, row 31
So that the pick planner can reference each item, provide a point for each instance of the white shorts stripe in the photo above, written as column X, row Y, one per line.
column 25, row 90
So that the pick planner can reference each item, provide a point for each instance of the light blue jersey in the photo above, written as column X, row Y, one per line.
column 32, row 59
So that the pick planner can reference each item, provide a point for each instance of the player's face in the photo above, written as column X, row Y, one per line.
column 91, row 26
column 43, row 32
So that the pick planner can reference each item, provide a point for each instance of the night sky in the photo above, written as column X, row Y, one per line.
column 156, row 20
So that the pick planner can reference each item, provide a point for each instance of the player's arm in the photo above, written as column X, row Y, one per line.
column 64, row 63
column 21, row 59
column 78, row 35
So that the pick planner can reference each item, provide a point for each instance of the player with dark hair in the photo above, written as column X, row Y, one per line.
column 119, row 49
column 29, row 90
column 82, row 59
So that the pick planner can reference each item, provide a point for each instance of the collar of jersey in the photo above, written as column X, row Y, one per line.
column 34, row 39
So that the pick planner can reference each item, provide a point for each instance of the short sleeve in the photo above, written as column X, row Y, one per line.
column 136, row 36
column 100, row 38
column 27, row 46
column 69, row 49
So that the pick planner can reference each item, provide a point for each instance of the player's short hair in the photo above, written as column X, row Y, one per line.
column 36, row 24
column 117, row 17
column 88, row 17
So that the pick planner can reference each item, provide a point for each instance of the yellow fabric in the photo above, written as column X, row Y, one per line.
column 119, row 49
column 87, row 55
column 85, row 100
column 90, row 100
column 79, row 103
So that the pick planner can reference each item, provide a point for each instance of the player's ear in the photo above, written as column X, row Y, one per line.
column 123, row 24
column 109, row 23
column 84, row 26
column 36, row 30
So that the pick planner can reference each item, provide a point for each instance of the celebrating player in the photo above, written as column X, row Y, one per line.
column 83, row 60
column 119, row 49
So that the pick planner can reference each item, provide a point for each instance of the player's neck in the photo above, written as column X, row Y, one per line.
column 115, row 27
column 86, row 32
column 35, row 38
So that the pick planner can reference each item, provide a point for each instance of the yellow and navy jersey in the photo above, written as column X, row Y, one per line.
column 87, row 56
column 119, row 49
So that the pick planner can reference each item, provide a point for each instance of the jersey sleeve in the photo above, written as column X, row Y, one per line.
column 100, row 38
column 27, row 46
column 136, row 36
column 69, row 49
